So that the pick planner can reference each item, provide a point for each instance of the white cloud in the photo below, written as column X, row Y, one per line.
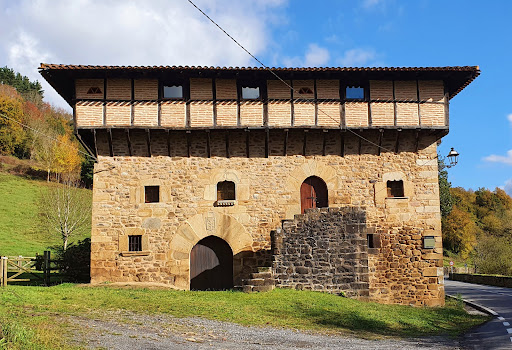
column 358, row 57
column 500, row 159
column 509, row 117
column 131, row 32
column 508, row 187
column 315, row 56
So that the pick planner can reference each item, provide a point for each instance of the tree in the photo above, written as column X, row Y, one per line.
column 66, row 210
column 459, row 232
column 11, row 115
column 445, row 196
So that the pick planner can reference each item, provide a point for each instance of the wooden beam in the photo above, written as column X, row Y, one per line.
column 267, row 140
column 397, row 141
column 247, row 154
column 227, row 143
column 188, row 142
column 324, row 144
column 84, row 144
column 292, row 108
column 395, row 112
column 110, row 144
column 305, row 142
column 418, row 99
column 130, row 150
column 342, row 143
column 214, row 106
column 132, row 102
column 238, row 99
column 148, row 140
column 381, row 132
column 285, row 142
column 168, row 142
column 187, row 113
column 446, row 108
column 417, row 146
column 208, row 144
column 360, row 145
column 104, row 102
column 95, row 142
column 316, row 102
column 342, row 91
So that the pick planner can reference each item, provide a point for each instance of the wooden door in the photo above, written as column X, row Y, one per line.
column 211, row 265
column 313, row 194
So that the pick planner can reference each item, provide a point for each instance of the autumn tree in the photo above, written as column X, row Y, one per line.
column 11, row 118
column 66, row 210
column 459, row 232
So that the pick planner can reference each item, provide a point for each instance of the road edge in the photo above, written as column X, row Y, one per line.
column 475, row 305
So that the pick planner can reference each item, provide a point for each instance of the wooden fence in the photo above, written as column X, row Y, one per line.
column 18, row 265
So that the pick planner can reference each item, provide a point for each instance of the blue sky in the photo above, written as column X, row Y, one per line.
column 293, row 33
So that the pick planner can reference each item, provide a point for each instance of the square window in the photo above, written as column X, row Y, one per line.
column 135, row 243
column 429, row 242
column 250, row 93
column 226, row 191
column 151, row 194
column 395, row 188
column 174, row 91
column 354, row 93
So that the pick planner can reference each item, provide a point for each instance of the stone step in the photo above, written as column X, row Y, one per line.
column 264, row 269
column 262, row 288
column 259, row 282
column 261, row 275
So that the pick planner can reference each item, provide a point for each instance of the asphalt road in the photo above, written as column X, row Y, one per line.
column 497, row 333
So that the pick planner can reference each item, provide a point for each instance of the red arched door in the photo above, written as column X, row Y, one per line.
column 211, row 265
column 313, row 194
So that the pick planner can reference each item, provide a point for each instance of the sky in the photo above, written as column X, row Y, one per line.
column 293, row 33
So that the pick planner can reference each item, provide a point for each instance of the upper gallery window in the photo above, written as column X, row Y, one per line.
column 173, row 91
column 226, row 191
column 151, row 194
column 354, row 93
column 250, row 93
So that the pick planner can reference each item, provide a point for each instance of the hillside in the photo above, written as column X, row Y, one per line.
column 21, row 232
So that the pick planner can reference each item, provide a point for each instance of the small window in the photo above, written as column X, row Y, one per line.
column 94, row 90
column 369, row 238
column 395, row 188
column 174, row 91
column 226, row 191
column 152, row 194
column 305, row 91
column 135, row 243
column 429, row 242
column 250, row 93
column 373, row 240
column 354, row 93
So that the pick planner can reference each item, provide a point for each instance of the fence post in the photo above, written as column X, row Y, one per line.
column 46, row 267
column 3, row 269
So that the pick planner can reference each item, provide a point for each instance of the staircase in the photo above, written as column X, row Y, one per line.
column 261, row 281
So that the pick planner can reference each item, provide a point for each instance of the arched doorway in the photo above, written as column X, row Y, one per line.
column 313, row 194
column 211, row 265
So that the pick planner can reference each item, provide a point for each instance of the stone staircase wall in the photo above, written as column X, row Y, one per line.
column 325, row 250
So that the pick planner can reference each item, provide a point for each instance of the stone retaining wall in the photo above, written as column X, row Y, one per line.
column 499, row 281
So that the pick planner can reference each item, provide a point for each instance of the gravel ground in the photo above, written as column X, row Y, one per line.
column 128, row 330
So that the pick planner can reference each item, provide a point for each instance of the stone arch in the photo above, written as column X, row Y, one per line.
column 222, row 174
column 312, row 167
column 195, row 229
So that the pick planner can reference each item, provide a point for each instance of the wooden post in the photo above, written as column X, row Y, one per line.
column 46, row 268
column 3, row 269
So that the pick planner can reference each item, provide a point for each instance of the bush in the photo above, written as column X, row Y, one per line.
column 74, row 263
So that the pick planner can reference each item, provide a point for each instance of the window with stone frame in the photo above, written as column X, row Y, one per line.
column 135, row 243
column 395, row 189
column 226, row 191
column 151, row 194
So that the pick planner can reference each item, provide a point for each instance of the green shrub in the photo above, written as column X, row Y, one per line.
column 74, row 263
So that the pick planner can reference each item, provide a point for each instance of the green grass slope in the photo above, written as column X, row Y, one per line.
column 20, row 229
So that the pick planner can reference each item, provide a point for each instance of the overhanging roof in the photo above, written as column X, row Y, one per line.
column 61, row 76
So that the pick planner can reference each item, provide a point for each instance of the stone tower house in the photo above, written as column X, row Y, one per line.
column 205, row 175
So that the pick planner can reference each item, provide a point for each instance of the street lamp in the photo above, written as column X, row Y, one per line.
column 453, row 158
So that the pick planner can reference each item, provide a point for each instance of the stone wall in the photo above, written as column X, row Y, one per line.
column 324, row 250
column 267, row 191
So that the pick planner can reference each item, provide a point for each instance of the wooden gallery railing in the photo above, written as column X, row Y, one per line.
column 22, row 264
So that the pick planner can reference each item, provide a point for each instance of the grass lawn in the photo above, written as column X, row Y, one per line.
column 20, row 229
column 32, row 315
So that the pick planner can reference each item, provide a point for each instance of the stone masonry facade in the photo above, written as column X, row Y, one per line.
column 195, row 164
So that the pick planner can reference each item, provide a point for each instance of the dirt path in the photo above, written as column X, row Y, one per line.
column 128, row 330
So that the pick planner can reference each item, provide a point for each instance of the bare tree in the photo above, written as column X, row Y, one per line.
column 66, row 210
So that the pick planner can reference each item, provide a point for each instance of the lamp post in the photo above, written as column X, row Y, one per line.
column 453, row 158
